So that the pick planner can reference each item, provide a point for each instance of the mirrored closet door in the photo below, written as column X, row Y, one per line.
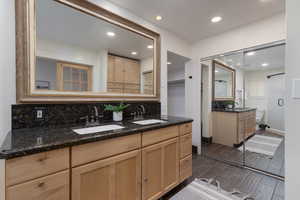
column 265, row 90
column 243, row 105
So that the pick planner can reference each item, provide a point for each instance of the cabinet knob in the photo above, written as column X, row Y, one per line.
column 41, row 184
column 42, row 159
column 146, row 180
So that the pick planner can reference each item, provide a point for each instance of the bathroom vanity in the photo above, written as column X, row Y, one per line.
column 232, row 126
column 92, row 56
column 136, row 162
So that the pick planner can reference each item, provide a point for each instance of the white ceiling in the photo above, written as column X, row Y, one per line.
column 190, row 19
column 59, row 23
column 273, row 56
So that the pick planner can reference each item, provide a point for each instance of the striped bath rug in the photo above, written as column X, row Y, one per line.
column 203, row 189
column 262, row 144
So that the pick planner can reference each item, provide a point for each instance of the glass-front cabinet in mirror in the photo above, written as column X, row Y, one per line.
column 223, row 81
column 83, row 52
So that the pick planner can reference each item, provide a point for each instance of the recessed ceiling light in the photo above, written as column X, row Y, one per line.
column 251, row 53
column 265, row 64
column 216, row 71
column 110, row 34
column 134, row 53
column 158, row 17
column 216, row 19
column 150, row 46
column 169, row 63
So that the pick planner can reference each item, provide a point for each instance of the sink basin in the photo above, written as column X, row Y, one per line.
column 149, row 121
column 97, row 129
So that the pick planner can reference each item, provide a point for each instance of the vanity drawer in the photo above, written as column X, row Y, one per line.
column 98, row 150
column 54, row 187
column 185, row 145
column 185, row 168
column 156, row 136
column 26, row 168
column 185, row 128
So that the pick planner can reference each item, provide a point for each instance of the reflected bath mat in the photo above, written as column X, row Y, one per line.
column 262, row 144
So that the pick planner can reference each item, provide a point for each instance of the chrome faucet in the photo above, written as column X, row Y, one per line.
column 97, row 116
column 139, row 113
column 92, row 119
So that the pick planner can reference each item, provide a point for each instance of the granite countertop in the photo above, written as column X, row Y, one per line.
column 235, row 110
column 23, row 142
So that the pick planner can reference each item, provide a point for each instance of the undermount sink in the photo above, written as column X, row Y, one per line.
column 149, row 121
column 97, row 129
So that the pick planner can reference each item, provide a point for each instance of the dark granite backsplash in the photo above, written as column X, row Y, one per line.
column 221, row 104
column 25, row 115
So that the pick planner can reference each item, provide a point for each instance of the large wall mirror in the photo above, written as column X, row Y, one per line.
column 76, row 50
column 223, row 82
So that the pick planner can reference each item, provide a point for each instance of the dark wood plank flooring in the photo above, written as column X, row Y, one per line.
column 259, row 186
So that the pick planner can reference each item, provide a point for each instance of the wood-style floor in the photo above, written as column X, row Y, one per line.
column 259, row 186
column 273, row 165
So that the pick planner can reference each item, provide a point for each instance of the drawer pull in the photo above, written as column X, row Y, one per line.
column 41, row 184
column 42, row 159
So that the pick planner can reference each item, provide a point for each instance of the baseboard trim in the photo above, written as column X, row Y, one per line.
column 207, row 140
column 195, row 149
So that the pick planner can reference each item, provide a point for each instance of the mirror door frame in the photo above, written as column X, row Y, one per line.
column 214, row 62
column 26, row 55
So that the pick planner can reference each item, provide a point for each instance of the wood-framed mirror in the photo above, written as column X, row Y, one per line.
column 223, row 82
column 73, row 50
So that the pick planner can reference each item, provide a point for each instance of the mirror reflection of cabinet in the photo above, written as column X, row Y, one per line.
column 223, row 79
column 148, row 82
column 107, row 55
column 123, row 75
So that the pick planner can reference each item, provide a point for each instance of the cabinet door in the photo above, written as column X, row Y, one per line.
column 241, row 131
column 250, row 125
column 128, row 176
column 160, row 169
column 111, row 69
column 152, row 172
column 170, row 164
column 132, row 71
column 116, row 178
column 119, row 69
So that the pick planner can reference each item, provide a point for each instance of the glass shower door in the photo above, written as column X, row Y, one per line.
column 276, row 103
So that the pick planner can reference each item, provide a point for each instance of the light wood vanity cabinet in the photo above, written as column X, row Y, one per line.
column 160, row 169
column 115, row 178
column 230, row 128
column 40, row 176
column 136, row 167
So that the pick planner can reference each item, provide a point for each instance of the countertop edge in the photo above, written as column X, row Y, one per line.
column 35, row 150
column 234, row 111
